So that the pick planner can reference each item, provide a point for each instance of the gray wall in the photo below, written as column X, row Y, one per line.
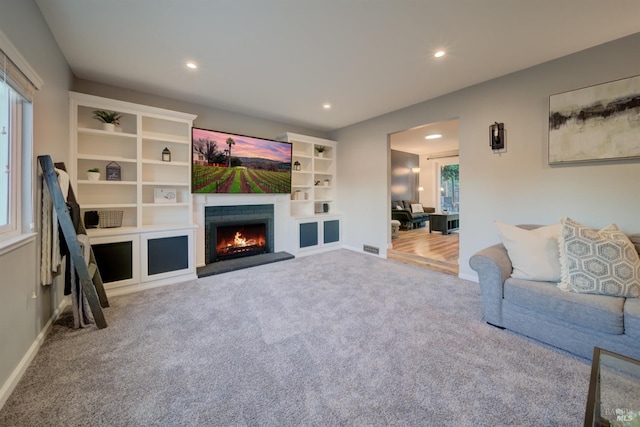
column 515, row 187
column 22, row 317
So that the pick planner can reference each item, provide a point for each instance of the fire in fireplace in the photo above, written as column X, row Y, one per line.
column 234, row 241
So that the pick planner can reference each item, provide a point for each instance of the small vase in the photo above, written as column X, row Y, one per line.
column 109, row 127
column 321, row 155
column 93, row 176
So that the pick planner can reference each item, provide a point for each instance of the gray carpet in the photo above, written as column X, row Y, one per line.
column 340, row 338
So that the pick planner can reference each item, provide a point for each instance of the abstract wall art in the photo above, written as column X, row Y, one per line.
column 599, row 122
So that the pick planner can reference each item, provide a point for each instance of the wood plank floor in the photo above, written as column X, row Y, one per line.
column 433, row 251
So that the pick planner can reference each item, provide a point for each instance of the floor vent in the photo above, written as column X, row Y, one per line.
column 371, row 249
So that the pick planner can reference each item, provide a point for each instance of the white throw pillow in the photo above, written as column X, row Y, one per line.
column 534, row 253
column 417, row 208
column 398, row 207
column 598, row 262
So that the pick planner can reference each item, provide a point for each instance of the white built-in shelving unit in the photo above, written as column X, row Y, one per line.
column 313, row 192
column 314, row 184
column 136, row 145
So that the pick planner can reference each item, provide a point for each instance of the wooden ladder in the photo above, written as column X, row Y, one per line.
column 90, row 279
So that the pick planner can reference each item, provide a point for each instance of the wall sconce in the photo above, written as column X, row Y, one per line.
column 496, row 136
column 415, row 170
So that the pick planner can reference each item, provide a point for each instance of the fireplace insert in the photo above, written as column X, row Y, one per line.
column 238, row 240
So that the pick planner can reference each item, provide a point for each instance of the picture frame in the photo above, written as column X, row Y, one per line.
column 114, row 172
column 165, row 195
column 595, row 123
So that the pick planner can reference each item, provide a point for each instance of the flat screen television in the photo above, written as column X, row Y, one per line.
column 231, row 163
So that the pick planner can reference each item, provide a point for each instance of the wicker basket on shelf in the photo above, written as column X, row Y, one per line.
column 110, row 219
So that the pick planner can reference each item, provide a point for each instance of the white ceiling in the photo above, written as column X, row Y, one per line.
column 282, row 59
column 413, row 140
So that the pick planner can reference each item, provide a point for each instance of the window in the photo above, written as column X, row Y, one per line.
column 18, row 83
column 11, row 173
column 450, row 187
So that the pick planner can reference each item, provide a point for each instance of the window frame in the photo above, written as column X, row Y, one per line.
column 22, row 82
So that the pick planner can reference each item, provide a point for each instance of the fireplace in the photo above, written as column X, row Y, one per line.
column 238, row 231
column 238, row 240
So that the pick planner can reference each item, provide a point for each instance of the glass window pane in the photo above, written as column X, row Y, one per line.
column 450, row 187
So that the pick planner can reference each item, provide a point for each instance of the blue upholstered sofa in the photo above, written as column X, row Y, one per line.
column 574, row 322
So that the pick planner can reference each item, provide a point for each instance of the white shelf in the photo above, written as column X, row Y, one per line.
column 83, row 156
column 164, row 205
column 91, row 131
column 160, row 162
column 104, row 182
column 108, row 205
column 166, row 184
column 163, row 137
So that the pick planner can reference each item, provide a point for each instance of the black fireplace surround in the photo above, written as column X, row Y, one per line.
column 239, row 215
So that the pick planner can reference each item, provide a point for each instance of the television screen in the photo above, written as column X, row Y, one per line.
column 230, row 163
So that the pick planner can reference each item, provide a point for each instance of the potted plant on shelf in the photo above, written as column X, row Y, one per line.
column 327, row 182
column 93, row 174
column 320, row 149
column 109, row 119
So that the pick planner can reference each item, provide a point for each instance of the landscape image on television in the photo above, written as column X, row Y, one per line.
column 230, row 163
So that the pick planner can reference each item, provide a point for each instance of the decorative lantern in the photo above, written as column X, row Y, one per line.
column 166, row 155
column 296, row 166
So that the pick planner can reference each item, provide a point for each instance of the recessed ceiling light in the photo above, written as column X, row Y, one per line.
column 192, row 65
column 326, row 106
column 433, row 136
column 439, row 54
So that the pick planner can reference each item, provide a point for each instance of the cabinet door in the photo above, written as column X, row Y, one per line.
column 166, row 254
column 118, row 259
column 331, row 231
column 308, row 234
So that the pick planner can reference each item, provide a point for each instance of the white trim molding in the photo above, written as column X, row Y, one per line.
column 10, row 50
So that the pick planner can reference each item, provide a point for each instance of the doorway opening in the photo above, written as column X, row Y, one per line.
column 425, row 169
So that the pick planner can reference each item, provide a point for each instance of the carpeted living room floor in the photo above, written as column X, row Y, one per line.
column 340, row 338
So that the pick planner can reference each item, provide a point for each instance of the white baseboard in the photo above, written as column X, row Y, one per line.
column 354, row 249
column 18, row 372
column 470, row 277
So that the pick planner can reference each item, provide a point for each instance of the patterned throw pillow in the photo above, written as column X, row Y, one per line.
column 598, row 262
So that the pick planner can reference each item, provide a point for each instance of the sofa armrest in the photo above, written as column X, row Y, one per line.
column 493, row 267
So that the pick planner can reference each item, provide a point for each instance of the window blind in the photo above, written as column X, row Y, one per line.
column 11, row 75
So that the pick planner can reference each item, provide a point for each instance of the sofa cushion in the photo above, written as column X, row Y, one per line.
column 534, row 253
column 596, row 312
column 632, row 318
column 598, row 262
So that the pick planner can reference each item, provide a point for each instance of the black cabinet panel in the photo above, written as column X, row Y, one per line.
column 331, row 231
column 308, row 234
column 167, row 254
column 115, row 260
